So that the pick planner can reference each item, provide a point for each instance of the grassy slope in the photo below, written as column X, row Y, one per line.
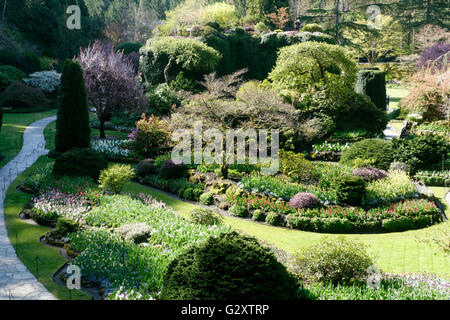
column 28, row 240
column 394, row 252
column 396, row 93
column 14, row 125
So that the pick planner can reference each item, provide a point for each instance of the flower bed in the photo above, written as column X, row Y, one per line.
column 114, row 150
column 434, row 178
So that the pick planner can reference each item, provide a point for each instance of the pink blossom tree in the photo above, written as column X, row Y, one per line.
column 110, row 81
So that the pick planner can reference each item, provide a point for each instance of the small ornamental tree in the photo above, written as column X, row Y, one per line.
column 280, row 18
column 432, row 54
column 110, row 81
column 150, row 136
column 72, row 123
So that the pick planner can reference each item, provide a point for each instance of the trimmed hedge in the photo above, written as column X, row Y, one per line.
column 350, row 189
column 80, row 163
column 379, row 150
column 373, row 84
column 243, row 270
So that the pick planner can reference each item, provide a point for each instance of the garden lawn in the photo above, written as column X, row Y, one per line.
column 28, row 240
column 11, row 134
column 396, row 93
column 400, row 252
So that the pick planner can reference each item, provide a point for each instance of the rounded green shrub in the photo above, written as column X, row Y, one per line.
column 207, row 198
column 239, row 211
column 65, row 226
column 114, row 178
column 171, row 170
column 80, row 162
column 243, row 270
column 13, row 73
column 258, row 215
column 333, row 260
column 350, row 190
column 206, row 217
column 275, row 219
column 312, row 27
column 19, row 95
column 379, row 150
column 145, row 167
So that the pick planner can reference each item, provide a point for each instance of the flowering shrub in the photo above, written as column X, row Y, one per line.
column 53, row 204
column 111, row 148
column 396, row 186
column 304, row 200
column 329, row 146
column 149, row 137
column 115, row 178
column 47, row 81
column 370, row 173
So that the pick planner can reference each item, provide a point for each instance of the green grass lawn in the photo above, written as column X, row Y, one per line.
column 394, row 252
column 28, row 240
column 11, row 134
column 396, row 93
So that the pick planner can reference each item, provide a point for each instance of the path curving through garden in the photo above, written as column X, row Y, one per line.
column 16, row 282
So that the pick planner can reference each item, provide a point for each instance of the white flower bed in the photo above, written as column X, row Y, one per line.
column 111, row 148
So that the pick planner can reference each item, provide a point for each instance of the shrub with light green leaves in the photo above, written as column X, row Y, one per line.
column 333, row 260
column 114, row 178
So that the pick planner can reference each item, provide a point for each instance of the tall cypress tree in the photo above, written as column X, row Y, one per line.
column 72, row 124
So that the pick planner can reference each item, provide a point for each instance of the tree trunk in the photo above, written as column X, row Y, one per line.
column 166, row 70
column 102, row 129
column 224, row 170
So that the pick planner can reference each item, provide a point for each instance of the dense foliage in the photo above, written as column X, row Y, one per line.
column 72, row 124
column 21, row 96
column 243, row 270
column 80, row 162
column 380, row 151
column 373, row 84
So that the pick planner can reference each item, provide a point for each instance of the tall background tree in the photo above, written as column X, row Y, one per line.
column 110, row 81
column 72, row 123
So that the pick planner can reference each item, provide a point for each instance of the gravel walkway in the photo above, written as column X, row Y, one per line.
column 16, row 282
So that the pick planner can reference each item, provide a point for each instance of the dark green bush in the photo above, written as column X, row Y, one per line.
column 420, row 152
column 80, row 163
column 172, row 170
column 129, row 47
column 275, row 219
column 65, row 226
column 30, row 63
column 243, row 270
column 72, row 123
column 13, row 73
column 161, row 99
column 239, row 211
column 145, row 168
column 350, row 189
column 19, row 95
column 373, row 84
column 379, row 150
column 398, row 224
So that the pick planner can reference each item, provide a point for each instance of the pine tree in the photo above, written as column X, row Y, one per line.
column 72, row 124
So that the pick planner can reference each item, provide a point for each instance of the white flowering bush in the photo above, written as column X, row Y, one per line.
column 111, row 148
column 47, row 81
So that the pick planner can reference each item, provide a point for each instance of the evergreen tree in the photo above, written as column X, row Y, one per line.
column 72, row 124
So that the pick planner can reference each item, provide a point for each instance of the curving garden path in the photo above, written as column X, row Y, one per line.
column 16, row 282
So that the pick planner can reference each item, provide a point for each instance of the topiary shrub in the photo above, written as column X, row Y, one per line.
column 239, row 211
column 369, row 173
column 350, row 190
column 79, row 163
column 65, row 226
column 145, row 167
column 397, row 224
column 258, row 215
column 72, row 123
column 333, row 260
column 373, row 84
column 172, row 169
column 207, row 198
column 379, row 150
column 206, row 217
column 275, row 219
column 295, row 166
column 243, row 270
column 114, row 178
column 19, row 95
column 135, row 232
column 304, row 200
